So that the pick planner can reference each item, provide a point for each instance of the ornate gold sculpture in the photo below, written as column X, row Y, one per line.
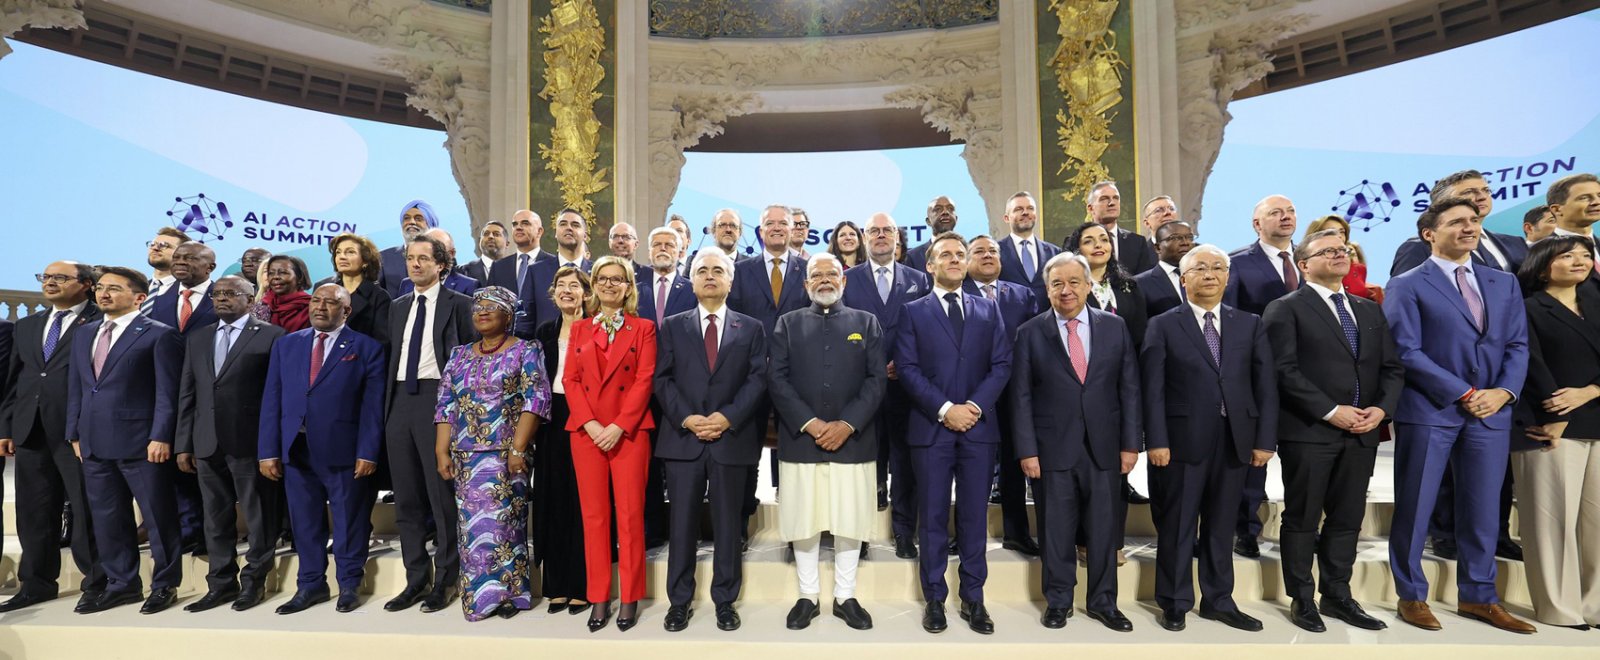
column 1089, row 74
column 571, row 84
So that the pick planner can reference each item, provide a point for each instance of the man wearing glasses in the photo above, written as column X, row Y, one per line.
column 799, row 234
column 726, row 227
column 159, row 257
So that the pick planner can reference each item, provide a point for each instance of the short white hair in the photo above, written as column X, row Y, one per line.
column 708, row 254
column 811, row 264
column 651, row 238
column 1063, row 259
column 1203, row 248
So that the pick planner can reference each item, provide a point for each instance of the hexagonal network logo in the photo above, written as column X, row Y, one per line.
column 201, row 217
column 1367, row 204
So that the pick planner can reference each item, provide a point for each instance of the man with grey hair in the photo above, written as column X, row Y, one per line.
column 827, row 380
column 799, row 233
column 662, row 291
column 1160, row 210
column 1132, row 251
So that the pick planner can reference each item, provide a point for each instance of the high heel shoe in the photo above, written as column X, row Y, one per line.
column 557, row 606
column 576, row 607
column 628, row 616
column 600, row 617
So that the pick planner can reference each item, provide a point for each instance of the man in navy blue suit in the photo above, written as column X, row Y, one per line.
column 1023, row 253
column 711, row 384
column 416, row 217
column 122, row 417
column 1498, row 251
column 492, row 246
column 1211, row 413
column 452, row 279
column 1161, row 287
column 186, row 306
column 1462, row 335
column 321, row 425
column 514, row 271
column 1077, row 432
column 1017, row 304
column 1262, row 272
column 953, row 357
column 941, row 218
column 882, row 288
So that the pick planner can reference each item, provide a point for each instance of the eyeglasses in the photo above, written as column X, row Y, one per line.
column 1329, row 253
column 1207, row 270
column 223, row 294
column 880, row 231
column 609, row 280
column 1161, row 209
column 46, row 278
column 485, row 308
column 110, row 288
column 1178, row 237
column 158, row 246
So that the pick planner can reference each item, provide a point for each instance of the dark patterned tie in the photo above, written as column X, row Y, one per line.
column 1214, row 342
column 953, row 306
column 54, row 336
column 1350, row 337
column 414, row 345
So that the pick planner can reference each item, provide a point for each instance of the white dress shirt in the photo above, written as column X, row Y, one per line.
column 1327, row 299
column 1200, row 318
column 1277, row 261
column 1449, row 267
column 1033, row 251
column 722, row 321
column 118, row 326
column 427, row 363
column 1172, row 274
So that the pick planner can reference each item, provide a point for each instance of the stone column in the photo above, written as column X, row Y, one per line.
column 509, row 91
column 1019, row 110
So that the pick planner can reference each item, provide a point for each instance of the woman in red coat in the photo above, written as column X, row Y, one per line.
column 611, row 357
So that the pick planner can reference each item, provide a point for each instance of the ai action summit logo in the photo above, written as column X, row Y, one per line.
column 208, row 219
column 1367, row 204
column 201, row 217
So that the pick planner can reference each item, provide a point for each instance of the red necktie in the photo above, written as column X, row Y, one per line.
column 711, row 341
column 317, row 353
column 1291, row 279
column 1080, row 361
column 185, row 309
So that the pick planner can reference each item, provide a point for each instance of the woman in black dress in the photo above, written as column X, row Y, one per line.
column 557, row 516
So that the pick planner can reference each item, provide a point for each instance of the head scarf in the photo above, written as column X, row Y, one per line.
column 425, row 208
column 498, row 296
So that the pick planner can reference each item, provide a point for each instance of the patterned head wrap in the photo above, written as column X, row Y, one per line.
column 498, row 296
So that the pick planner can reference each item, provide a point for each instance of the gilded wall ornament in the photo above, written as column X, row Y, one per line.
column 573, row 44
column 1089, row 74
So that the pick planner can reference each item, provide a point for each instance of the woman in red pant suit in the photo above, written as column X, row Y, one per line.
column 611, row 357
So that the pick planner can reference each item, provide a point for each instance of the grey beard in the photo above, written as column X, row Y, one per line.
column 411, row 233
column 828, row 299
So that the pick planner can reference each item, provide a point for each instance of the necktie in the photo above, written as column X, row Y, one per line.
column 522, row 271
column 316, row 356
column 661, row 299
column 224, row 341
column 711, row 342
column 1214, row 342
column 777, row 279
column 102, row 348
column 1470, row 295
column 988, row 291
column 53, row 337
column 150, row 300
column 1075, row 354
column 1350, row 337
column 185, row 309
column 1291, row 280
column 883, row 284
column 414, row 345
column 1028, row 267
column 953, row 306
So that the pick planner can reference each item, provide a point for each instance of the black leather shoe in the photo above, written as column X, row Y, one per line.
column 159, row 600
column 933, row 617
column 407, row 597
column 1303, row 612
column 628, row 616
column 904, row 548
column 1133, row 496
column 1112, row 619
column 1247, row 547
column 556, row 607
column 1444, row 548
column 1349, row 611
column 20, row 601
column 951, row 548
column 212, row 600
column 1508, row 549
column 1232, row 619
column 677, row 618
column 112, row 599
column 506, row 611
column 86, row 600
column 1173, row 620
column 863, row 557
column 600, row 617
column 348, row 601
column 1056, row 617
column 852, row 613
column 801, row 614
column 248, row 597
column 727, row 617
column 438, row 599
column 1023, row 545
column 977, row 618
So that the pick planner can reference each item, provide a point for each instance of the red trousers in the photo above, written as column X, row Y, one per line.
column 621, row 472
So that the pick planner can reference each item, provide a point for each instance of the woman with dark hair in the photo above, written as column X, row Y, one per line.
column 1556, row 463
column 846, row 244
column 288, row 304
column 356, row 267
column 1356, row 281
column 558, row 530
column 901, row 246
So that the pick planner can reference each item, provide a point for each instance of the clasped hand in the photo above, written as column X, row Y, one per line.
column 1357, row 420
column 708, row 428
column 829, row 436
column 961, row 417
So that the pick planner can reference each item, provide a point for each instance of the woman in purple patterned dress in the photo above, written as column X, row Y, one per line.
column 492, row 396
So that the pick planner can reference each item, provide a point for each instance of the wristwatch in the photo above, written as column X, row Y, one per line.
column 519, row 454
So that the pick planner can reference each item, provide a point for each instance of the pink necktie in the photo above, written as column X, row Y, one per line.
column 661, row 299
column 102, row 348
column 1474, row 303
column 316, row 356
column 1080, row 362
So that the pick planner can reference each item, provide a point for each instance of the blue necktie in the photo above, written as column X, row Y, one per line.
column 883, row 284
column 53, row 337
column 414, row 345
column 224, row 342
column 522, row 271
column 1028, row 268
column 1214, row 342
column 957, row 319
column 1351, row 337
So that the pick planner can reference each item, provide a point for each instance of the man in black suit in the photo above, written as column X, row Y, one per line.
column 1333, row 400
column 219, row 415
column 1161, row 287
column 32, row 429
column 492, row 245
column 662, row 293
column 941, row 218
column 1211, row 413
column 515, row 270
column 1498, row 251
column 710, row 382
column 1073, row 393
column 186, row 306
column 1133, row 252
column 726, row 228
column 427, row 325
column 1024, row 252
column 624, row 243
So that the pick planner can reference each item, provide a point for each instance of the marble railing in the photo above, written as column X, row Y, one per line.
column 17, row 304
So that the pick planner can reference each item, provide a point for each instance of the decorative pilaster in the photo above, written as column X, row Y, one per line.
column 971, row 113
column 679, row 124
column 573, row 122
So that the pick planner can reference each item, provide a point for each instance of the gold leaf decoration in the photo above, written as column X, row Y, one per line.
column 1089, row 74
column 573, row 43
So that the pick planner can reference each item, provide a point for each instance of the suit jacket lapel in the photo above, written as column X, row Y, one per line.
column 1059, row 352
column 794, row 275
column 1436, row 277
column 443, row 313
column 691, row 328
column 732, row 332
column 129, row 336
column 624, row 337
column 251, row 331
column 944, row 318
column 1311, row 300
column 1191, row 327
column 1565, row 316
column 331, row 359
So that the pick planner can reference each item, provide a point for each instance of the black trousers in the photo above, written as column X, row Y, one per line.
column 1255, row 492
column 1326, row 483
column 1013, row 487
column 686, row 480
column 1065, row 499
column 224, row 481
column 1189, row 500
column 904, row 505
column 48, row 475
column 419, row 490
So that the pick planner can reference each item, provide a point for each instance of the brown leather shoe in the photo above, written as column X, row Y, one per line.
column 1497, row 616
column 1416, row 613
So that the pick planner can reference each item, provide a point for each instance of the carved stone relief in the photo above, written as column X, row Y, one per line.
column 18, row 14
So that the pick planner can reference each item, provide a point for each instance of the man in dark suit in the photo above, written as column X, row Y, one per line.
column 122, row 401
column 514, row 271
column 1462, row 334
column 941, row 218
column 710, row 382
column 662, row 293
column 882, row 287
column 1161, row 287
column 186, row 306
column 1133, row 252
column 416, row 217
column 827, row 382
column 726, row 227
column 427, row 325
column 219, row 414
column 492, row 246
column 321, row 425
column 32, row 430
column 953, row 357
column 1077, row 432
column 1017, row 305
column 1332, row 404
column 451, row 279
column 1261, row 272
column 1498, row 251
column 1023, row 253
column 624, row 243
column 1211, row 412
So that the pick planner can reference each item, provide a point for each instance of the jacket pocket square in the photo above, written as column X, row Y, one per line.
column 348, row 358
